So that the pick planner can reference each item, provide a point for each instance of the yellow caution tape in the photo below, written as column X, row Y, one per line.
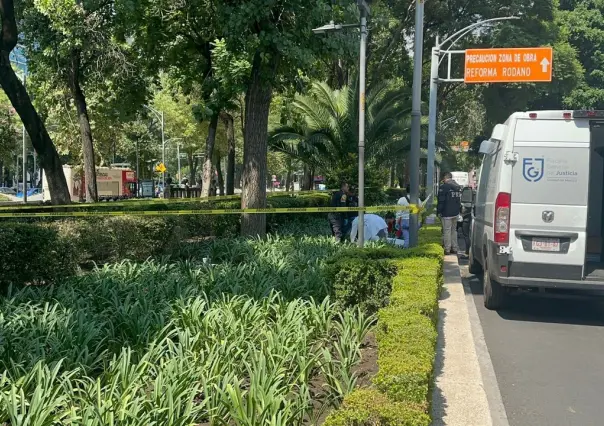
column 415, row 209
column 146, row 202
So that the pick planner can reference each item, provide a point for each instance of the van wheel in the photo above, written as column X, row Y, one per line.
column 495, row 295
column 473, row 266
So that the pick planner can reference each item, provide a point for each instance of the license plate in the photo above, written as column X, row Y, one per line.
column 546, row 244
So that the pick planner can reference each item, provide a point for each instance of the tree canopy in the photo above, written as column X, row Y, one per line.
column 226, row 72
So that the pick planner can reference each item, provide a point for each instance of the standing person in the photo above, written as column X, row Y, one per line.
column 402, row 216
column 353, row 201
column 168, row 187
column 448, row 208
column 466, row 213
column 336, row 219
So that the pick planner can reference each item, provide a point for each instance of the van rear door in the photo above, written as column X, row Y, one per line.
column 550, row 181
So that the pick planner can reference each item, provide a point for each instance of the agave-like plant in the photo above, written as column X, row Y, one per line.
column 250, row 339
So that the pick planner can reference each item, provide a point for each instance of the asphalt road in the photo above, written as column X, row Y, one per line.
column 548, row 357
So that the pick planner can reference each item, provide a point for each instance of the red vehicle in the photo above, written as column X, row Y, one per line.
column 111, row 182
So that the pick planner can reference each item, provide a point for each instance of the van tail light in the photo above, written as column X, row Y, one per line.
column 502, row 217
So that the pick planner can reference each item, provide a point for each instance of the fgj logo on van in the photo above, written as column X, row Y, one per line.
column 533, row 169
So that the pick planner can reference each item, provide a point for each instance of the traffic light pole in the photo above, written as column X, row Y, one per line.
column 435, row 80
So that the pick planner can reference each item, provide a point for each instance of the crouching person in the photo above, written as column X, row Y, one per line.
column 375, row 227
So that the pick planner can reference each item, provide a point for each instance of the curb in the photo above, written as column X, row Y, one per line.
column 491, row 387
column 465, row 390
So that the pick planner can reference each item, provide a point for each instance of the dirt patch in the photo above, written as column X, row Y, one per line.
column 368, row 366
column 365, row 370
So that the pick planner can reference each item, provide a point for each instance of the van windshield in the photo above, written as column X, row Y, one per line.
column 554, row 171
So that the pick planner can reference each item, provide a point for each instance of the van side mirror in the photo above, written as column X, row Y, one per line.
column 467, row 195
column 498, row 132
column 487, row 147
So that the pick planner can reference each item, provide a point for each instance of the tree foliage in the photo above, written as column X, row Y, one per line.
column 327, row 137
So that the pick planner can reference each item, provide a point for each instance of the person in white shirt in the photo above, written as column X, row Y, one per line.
column 402, row 217
column 376, row 228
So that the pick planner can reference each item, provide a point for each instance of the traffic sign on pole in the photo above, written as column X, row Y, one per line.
column 508, row 65
column 161, row 168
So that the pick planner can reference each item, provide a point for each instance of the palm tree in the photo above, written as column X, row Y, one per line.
column 326, row 136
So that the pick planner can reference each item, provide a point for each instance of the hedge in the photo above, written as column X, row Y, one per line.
column 33, row 254
column 50, row 246
column 406, row 335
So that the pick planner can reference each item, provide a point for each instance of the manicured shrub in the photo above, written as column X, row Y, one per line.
column 406, row 335
column 33, row 255
column 369, row 407
column 114, row 238
column 362, row 283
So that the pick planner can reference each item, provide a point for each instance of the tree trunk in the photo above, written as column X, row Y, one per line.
column 257, row 104
column 47, row 153
column 401, row 167
column 288, row 177
column 308, row 178
column 191, row 171
column 338, row 75
column 229, row 122
column 85, row 130
column 207, row 164
column 220, row 175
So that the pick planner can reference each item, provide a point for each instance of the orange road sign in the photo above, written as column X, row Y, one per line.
column 510, row 65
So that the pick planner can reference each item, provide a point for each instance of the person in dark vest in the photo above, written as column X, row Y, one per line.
column 336, row 219
column 168, row 186
column 352, row 201
column 448, row 208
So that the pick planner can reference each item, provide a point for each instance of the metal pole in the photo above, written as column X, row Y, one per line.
column 24, row 152
column 138, row 177
column 178, row 155
column 362, row 66
column 163, row 150
column 416, row 120
column 432, row 120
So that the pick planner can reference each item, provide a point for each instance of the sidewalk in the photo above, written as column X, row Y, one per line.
column 459, row 396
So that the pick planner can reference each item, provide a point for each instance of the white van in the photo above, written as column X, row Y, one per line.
column 538, row 219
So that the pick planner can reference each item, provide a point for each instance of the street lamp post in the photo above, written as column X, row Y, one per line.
column 163, row 149
column 160, row 116
column 138, row 176
column 364, row 9
column 416, row 120
column 364, row 13
column 434, row 81
column 177, row 149
column 178, row 157
column 23, row 63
